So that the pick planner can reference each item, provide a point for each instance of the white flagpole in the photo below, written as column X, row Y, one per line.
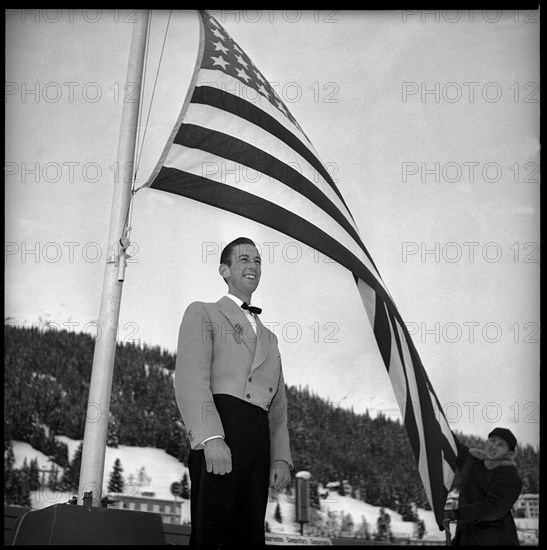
column 96, row 425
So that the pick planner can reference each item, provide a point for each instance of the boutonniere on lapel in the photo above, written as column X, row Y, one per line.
column 237, row 333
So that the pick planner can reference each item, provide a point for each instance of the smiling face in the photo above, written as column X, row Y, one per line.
column 496, row 448
column 243, row 273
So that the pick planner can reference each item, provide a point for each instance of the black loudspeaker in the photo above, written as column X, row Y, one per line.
column 79, row 525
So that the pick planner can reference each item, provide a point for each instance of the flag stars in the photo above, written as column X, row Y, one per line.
column 218, row 34
column 286, row 112
column 242, row 74
column 220, row 46
column 228, row 39
column 275, row 97
column 242, row 61
column 219, row 61
column 259, row 77
column 281, row 106
column 213, row 21
column 231, row 54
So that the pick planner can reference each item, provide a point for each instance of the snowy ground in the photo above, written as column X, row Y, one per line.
column 147, row 469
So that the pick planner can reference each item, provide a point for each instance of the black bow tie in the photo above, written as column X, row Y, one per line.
column 252, row 309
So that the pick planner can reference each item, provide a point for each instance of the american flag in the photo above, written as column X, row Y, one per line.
column 236, row 146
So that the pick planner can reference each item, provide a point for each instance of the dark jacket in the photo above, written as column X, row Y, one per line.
column 488, row 491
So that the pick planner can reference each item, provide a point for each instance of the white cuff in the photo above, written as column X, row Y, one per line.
column 212, row 437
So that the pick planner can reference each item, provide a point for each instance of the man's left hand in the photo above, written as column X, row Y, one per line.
column 280, row 475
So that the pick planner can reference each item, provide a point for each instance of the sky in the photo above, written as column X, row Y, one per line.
column 428, row 122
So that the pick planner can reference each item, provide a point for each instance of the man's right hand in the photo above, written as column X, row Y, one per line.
column 218, row 456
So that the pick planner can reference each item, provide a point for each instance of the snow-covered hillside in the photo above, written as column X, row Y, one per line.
column 161, row 470
column 150, row 470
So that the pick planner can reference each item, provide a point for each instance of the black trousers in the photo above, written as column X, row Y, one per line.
column 230, row 508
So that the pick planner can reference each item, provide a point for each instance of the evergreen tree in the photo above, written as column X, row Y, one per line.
column 55, row 450
column 71, row 475
column 60, row 453
column 116, row 482
column 420, row 530
column 407, row 512
column 9, row 458
column 347, row 524
column 34, row 475
column 53, row 481
column 9, row 461
column 38, row 438
column 363, row 531
column 16, row 482
column 31, row 474
column 25, row 467
column 332, row 525
column 17, row 490
column 142, row 478
column 341, row 488
column 112, row 437
column 314, row 495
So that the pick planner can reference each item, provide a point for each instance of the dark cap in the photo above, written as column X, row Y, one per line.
column 506, row 435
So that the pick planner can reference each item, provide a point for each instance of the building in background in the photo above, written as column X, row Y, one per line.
column 527, row 506
column 170, row 510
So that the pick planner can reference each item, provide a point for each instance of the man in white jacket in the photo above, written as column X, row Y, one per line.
column 231, row 394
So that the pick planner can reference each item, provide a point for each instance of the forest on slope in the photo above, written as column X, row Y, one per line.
column 46, row 384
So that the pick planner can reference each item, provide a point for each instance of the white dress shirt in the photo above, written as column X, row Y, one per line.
column 250, row 316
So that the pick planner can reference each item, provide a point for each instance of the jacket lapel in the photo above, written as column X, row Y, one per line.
column 263, row 344
column 241, row 327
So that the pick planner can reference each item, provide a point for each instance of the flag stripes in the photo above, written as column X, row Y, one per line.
column 237, row 147
column 238, row 107
column 415, row 408
column 196, row 162
column 255, row 158
column 277, row 147
column 218, row 80
column 382, row 331
column 253, row 207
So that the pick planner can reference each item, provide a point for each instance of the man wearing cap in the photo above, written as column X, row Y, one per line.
column 489, row 487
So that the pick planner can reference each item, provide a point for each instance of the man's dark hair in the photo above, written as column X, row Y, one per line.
column 226, row 255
